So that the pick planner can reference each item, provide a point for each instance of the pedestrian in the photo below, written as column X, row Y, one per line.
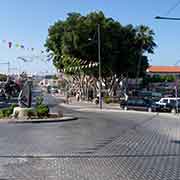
column 68, row 100
column 77, row 96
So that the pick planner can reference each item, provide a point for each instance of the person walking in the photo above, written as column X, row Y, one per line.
column 68, row 99
column 77, row 96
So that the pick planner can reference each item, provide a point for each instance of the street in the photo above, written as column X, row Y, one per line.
column 99, row 145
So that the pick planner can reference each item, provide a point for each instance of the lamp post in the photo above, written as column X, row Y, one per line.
column 99, row 60
column 167, row 18
column 176, row 87
column 99, row 63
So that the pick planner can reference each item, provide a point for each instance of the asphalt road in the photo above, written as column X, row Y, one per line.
column 100, row 145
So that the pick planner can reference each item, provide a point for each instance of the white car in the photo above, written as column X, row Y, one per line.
column 164, row 101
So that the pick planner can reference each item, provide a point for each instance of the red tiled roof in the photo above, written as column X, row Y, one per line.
column 164, row 69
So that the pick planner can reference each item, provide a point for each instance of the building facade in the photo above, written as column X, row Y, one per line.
column 164, row 70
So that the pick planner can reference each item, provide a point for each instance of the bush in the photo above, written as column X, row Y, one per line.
column 42, row 110
column 1, row 114
column 39, row 100
column 7, row 112
column 3, row 77
column 107, row 99
column 31, row 113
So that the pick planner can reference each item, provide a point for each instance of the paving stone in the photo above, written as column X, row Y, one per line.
column 99, row 146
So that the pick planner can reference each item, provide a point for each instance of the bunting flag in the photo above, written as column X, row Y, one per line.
column 17, row 45
column 10, row 44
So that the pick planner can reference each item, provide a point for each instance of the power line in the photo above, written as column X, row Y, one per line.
column 173, row 7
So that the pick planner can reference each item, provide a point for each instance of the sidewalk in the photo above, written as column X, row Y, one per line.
column 87, row 105
column 112, row 107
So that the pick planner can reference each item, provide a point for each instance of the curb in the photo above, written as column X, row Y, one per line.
column 78, row 108
column 50, row 120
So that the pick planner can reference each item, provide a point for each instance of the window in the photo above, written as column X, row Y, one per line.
column 140, row 102
column 172, row 101
column 165, row 101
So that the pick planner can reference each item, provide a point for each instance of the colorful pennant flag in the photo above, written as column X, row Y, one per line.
column 10, row 44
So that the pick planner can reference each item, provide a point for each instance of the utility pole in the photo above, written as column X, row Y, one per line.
column 99, row 59
column 8, row 68
column 176, row 87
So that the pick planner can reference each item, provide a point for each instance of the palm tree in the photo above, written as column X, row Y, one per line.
column 144, row 41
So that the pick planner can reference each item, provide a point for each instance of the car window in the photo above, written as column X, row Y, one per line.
column 131, row 102
column 165, row 101
column 172, row 101
column 140, row 102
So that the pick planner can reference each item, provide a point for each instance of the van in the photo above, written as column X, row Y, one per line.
column 163, row 102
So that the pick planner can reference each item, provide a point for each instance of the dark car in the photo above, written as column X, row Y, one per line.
column 139, row 104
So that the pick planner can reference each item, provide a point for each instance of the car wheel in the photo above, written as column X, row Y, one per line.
column 125, row 108
column 173, row 110
column 149, row 109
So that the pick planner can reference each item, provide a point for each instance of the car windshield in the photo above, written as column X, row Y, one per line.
column 89, row 90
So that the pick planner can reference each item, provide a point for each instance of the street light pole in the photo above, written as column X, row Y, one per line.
column 167, row 18
column 176, row 87
column 8, row 68
column 99, row 59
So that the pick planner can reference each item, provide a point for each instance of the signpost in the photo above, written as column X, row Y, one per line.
column 25, row 96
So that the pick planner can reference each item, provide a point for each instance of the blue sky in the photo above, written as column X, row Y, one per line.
column 26, row 22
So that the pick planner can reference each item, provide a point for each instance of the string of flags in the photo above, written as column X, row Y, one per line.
column 10, row 45
column 34, row 57
column 79, row 64
column 46, row 55
column 77, row 68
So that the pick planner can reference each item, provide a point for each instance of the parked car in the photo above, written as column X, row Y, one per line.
column 173, row 106
column 164, row 101
column 139, row 104
column 168, row 104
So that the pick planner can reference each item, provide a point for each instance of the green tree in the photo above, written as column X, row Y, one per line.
column 124, row 49
column 3, row 77
column 122, row 46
